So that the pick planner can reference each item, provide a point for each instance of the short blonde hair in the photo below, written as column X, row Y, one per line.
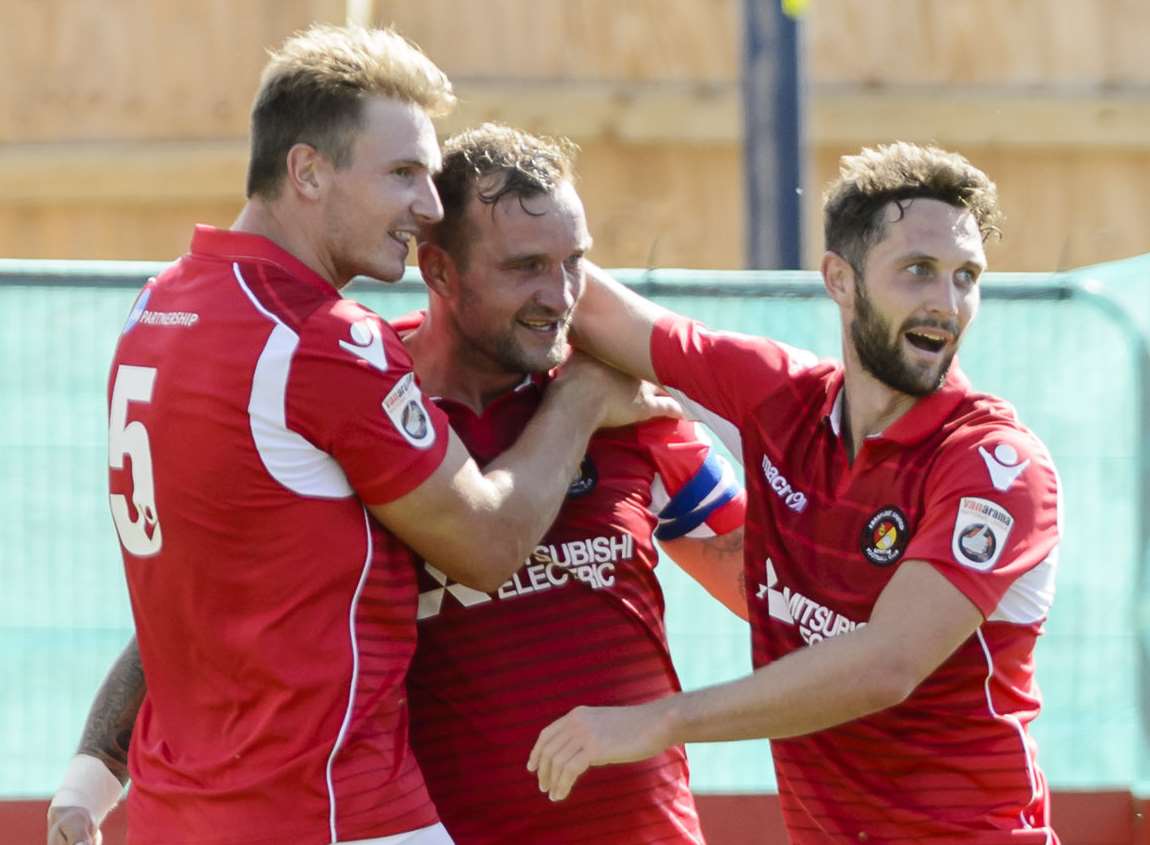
column 313, row 89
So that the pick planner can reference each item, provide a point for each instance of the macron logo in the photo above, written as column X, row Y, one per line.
column 791, row 497
column 367, row 343
column 1003, row 465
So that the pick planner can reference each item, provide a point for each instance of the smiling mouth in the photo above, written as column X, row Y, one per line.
column 926, row 342
column 540, row 326
column 402, row 238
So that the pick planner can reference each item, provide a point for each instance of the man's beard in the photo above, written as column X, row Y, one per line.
column 880, row 350
column 515, row 358
column 502, row 347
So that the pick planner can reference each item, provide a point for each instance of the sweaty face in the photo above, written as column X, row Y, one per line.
column 523, row 276
column 919, row 293
column 376, row 204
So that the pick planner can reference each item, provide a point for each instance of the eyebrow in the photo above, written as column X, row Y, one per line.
column 415, row 162
column 912, row 257
column 521, row 258
column 526, row 257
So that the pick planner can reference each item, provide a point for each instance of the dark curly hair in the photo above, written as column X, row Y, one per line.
column 490, row 162
column 853, row 205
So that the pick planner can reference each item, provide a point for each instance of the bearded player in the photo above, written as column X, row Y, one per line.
column 902, row 535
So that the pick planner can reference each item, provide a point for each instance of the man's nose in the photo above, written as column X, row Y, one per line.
column 428, row 208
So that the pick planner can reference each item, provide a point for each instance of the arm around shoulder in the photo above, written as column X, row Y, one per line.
column 479, row 526
column 615, row 324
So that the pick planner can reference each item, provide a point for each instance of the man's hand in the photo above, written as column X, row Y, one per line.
column 596, row 736
column 620, row 399
column 72, row 826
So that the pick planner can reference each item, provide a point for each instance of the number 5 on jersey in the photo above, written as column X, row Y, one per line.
column 141, row 536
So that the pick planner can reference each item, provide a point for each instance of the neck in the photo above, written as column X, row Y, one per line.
column 449, row 367
column 869, row 406
column 272, row 221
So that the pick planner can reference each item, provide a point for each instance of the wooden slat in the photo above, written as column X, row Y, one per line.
column 639, row 40
column 139, row 69
column 593, row 113
column 132, row 171
column 1050, row 117
column 990, row 42
column 622, row 111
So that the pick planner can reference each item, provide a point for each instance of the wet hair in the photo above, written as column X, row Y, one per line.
column 854, row 205
column 313, row 91
column 491, row 162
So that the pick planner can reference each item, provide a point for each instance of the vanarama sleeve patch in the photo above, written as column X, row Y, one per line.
column 404, row 405
column 981, row 529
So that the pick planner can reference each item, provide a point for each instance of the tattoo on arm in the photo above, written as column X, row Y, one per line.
column 108, row 730
column 721, row 547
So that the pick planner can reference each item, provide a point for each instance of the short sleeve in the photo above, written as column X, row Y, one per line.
column 696, row 492
column 353, row 393
column 721, row 376
column 991, row 523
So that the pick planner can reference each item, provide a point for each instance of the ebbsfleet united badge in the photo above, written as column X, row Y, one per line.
column 885, row 535
column 585, row 481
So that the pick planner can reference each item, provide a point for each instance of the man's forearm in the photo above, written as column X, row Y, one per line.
column 614, row 324
column 827, row 684
column 534, row 474
column 108, row 729
column 716, row 564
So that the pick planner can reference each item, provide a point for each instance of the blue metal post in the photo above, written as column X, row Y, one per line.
column 772, row 136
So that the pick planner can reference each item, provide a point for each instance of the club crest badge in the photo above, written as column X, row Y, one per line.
column 884, row 536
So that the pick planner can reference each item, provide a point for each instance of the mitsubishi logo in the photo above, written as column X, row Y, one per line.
column 776, row 601
column 431, row 602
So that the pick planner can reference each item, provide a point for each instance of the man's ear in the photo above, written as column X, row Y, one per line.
column 838, row 277
column 307, row 170
column 437, row 268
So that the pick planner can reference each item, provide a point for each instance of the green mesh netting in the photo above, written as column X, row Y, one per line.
column 1071, row 363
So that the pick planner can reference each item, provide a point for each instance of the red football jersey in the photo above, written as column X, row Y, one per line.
column 580, row 623
column 253, row 410
column 957, row 482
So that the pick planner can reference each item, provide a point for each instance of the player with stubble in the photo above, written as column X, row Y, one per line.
column 582, row 619
column 273, row 463
column 901, row 542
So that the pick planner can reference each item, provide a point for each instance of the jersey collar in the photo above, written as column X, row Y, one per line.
column 923, row 419
column 411, row 321
column 245, row 246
